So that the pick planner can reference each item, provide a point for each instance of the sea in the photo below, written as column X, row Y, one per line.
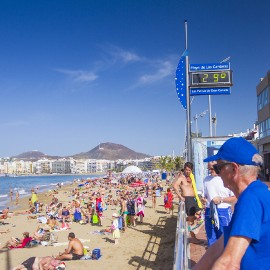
column 24, row 184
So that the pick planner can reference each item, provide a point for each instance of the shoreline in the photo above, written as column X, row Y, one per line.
column 23, row 202
column 149, row 245
column 5, row 201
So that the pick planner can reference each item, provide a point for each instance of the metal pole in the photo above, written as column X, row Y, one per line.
column 210, row 116
column 189, row 155
column 196, row 123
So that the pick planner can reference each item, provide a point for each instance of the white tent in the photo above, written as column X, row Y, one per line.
column 132, row 169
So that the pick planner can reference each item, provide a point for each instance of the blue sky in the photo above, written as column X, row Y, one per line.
column 77, row 73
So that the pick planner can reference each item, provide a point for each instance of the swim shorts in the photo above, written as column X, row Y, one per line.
column 76, row 256
column 191, row 205
column 28, row 264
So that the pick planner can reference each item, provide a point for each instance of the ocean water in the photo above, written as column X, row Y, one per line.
column 24, row 184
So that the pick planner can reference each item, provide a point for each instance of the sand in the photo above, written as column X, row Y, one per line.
column 147, row 246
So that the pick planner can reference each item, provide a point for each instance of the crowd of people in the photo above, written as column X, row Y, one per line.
column 89, row 199
column 233, row 207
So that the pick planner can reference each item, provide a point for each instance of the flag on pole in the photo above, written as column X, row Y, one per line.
column 181, row 81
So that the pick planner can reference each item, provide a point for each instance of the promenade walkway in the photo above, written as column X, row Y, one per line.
column 198, row 250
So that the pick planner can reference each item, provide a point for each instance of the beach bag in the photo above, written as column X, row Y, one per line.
column 100, row 209
column 144, row 202
column 128, row 220
column 120, row 223
column 77, row 216
column 94, row 219
column 165, row 199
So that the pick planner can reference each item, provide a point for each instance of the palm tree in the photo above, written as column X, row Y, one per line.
column 179, row 163
column 162, row 163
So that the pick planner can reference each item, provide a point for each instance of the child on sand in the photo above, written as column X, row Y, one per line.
column 115, row 229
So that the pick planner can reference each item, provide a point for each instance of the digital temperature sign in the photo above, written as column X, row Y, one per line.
column 223, row 77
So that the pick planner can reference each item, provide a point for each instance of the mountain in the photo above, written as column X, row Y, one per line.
column 110, row 151
column 33, row 155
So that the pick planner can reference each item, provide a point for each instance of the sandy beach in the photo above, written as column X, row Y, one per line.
column 149, row 245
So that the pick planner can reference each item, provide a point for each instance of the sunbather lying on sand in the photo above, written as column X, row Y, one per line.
column 40, row 263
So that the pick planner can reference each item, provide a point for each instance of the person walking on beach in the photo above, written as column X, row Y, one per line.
column 217, row 199
column 115, row 229
column 11, row 194
column 140, row 207
column 131, row 210
column 74, row 250
column 34, row 198
column 245, row 243
column 168, row 201
column 154, row 196
column 124, row 210
column 99, row 208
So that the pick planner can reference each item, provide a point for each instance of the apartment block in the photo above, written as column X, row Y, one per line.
column 263, row 108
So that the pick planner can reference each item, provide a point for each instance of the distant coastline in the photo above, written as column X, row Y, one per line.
column 48, row 174
column 42, row 183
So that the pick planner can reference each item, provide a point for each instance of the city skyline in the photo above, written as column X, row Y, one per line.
column 73, row 75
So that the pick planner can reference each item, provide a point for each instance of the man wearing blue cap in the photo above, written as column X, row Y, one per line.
column 245, row 243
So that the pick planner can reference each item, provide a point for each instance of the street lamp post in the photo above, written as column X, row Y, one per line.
column 202, row 114
column 214, row 121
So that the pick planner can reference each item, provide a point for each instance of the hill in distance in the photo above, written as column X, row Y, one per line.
column 109, row 151
column 33, row 155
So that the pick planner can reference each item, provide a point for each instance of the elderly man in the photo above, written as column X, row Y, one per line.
column 245, row 243
column 217, row 199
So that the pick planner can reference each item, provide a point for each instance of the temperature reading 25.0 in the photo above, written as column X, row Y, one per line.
column 217, row 77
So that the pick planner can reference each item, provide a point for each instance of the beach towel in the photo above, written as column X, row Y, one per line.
column 195, row 190
column 214, row 214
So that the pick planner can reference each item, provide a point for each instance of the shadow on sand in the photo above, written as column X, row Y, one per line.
column 159, row 250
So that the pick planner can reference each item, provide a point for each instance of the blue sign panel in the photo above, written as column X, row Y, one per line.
column 180, row 80
column 210, row 91
column 209, row 67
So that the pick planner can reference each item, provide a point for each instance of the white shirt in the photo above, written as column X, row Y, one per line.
column 115, row 223
column 213, row 187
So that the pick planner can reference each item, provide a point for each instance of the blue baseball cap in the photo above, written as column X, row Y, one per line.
column 236, row 150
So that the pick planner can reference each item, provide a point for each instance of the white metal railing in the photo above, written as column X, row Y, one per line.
column 181, row 252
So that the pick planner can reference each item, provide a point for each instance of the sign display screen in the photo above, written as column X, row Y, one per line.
column 211, row 78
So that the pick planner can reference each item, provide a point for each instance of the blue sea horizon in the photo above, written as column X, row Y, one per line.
column 24, row 184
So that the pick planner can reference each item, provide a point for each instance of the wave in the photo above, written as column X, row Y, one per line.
column 3, row 196
column 21, row 192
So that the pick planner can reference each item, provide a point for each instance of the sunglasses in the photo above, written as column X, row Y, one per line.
column 218, row 167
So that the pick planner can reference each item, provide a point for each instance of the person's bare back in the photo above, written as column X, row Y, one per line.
column 76, row 246
column 74, row 250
